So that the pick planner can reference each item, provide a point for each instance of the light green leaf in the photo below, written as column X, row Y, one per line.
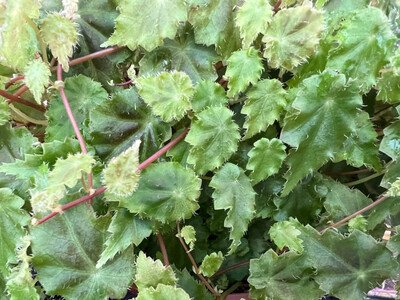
column 147, row 23
column 266, row 101
column 359, row 223
column 287, row 276
column 244, row 67
column 285, row 234
column 167, row 192
column 37, row 75
column 214, row 138
column 208, row 94
column 4, row 112
column 168, row 94
column 340, row 274
column 390, row 143
column 233, row 191
column 12, row 222
column 325, row 110
column 61, row 34
column 118, row 123
column 56, row 149
column 292, row 36
column 125, row 229
column 83, row 95
column 211, row 263
column 122, row 174
column 214, row 23
column 66, row 262
column 23, row 169
column 364, row 45
column 188, row 233
column 266, row 159
column 163, row 292
column 191, row 286
column 253, row 18
column 151, row 273
column 394, row 190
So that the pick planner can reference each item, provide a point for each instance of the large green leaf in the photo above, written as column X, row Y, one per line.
column 208, row 94
column 167, row 192
column 147, row 23
column 115, row 125
column 266, row 101
column 66, row 250
column 325, row 110
column 390, row 143
column 364, row 45
column 214, row 138
column 233, row 191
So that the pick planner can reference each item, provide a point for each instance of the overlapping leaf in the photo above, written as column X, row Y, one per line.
column 211, row 263
column 208, row 94
column 37, row 75
column 285, row 234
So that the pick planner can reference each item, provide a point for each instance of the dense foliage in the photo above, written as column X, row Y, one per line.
column 215, row 146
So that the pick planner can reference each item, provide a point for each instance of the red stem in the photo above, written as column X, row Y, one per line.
column 163, row 249
column 21, row 90
column 124, row 83
column 13, row 98
column 348, row 173
column 230, row 268
column 277, row 5
column 13, row 80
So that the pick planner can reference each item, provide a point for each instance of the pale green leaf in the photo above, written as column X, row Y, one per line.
column 214, row 137
column 208, row 94
column 23, row 169
column 324, row 116
column 233, row 191
column 4, row 112
column 37, row 75
column 244, row 67
column 285, row 234
column 287, row 276
column 65, row 251
column 61, row 34
column 147, row 23
column 167, row 192
column 359, row 223
column 12, row 222
column 125, row 229
column 364, row 45
column 151, row 273
column 266, row 101
column 390, row 143
column 265, row 159
column 211, row 263
column 122, row 174
column 188, row 233
column 394, row 190
column 168, row 94
column 253, row 18
column 292, row 36
column 163, row 292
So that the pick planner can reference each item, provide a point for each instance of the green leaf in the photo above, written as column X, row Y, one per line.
column 394, row 190
column 125, row 229
column 151, row 273
column 23, row 169
column 188, row 233
column 208, row 94
column 181, row 54
column 83, row 95
column 233, row 191
column 192, row 286
column 122, row 174
column 380, row 213
column 59, row 149
column 340, row 274
column 285, row 234
column 119, row 122
column 390, row 143
column 287, row 276
column 37, row 75
column 213, row 23
column 214, row 138
column 12, row 222
column 253, row 18
column 61, row 34
column 167, row 192
column 163, row 292
column 147, row 23
column 388, row 86
column 168, row 94
column 326, row 107
column 364, row 45
column 391, row 174
column 65, row 251
column 266, row 159
column 359, row 223
column 292, row 36
column 211, row 263
column 244, row 67
column 4, row 112
column 266, row 101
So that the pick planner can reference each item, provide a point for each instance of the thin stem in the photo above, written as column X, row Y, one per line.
column 21, row 90
column 347, row 173
column 194, row 263
column 245, row 263
column 230, row 290
column 163, row 249
column 124, row 83
column 91, row 56
column 13, row 98
column 365, row 179
column 39, row 38
column 344, row 220
column 277, row 5
column 13, row 80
